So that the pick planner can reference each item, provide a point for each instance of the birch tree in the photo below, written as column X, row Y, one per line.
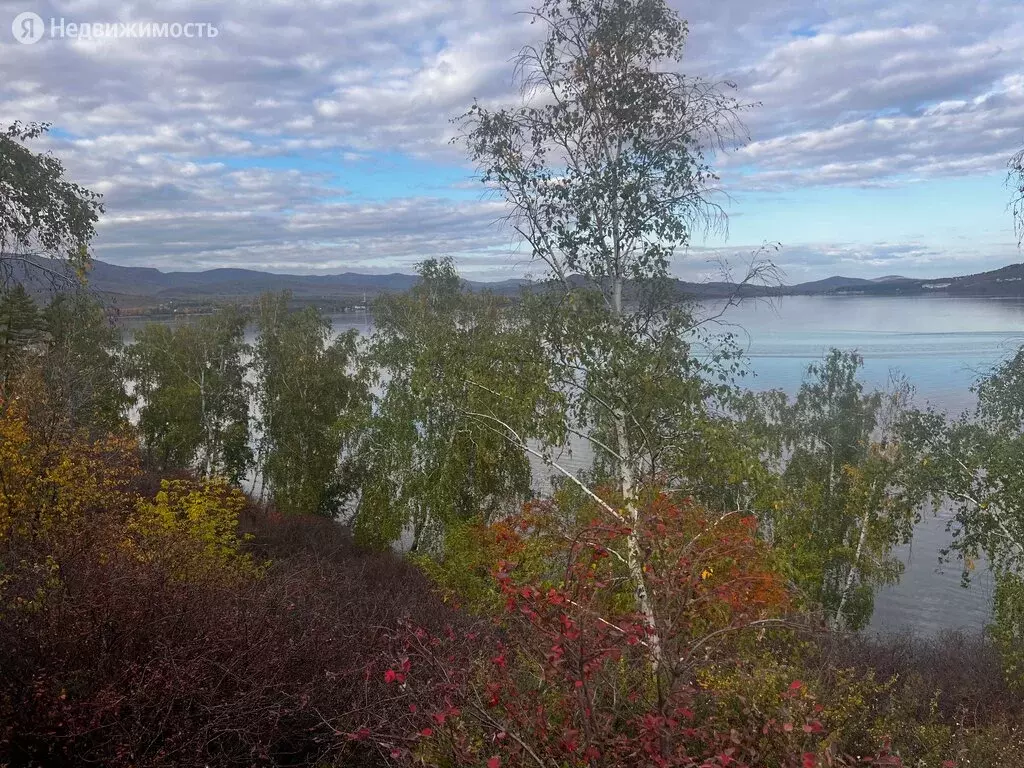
column 606, row 169
column 83, row 364
column 312, row 400
column 853, row 486
column 194, row 396
column 457, row 373
column 1015, row 181
column 46, row 221
column 978, row 464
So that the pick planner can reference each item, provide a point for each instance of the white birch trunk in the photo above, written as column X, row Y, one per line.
column 851, row 577
column 634, row 555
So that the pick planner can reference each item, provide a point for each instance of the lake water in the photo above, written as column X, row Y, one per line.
column 941, row 345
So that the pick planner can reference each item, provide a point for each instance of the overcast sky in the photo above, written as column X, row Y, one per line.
column 313, row 135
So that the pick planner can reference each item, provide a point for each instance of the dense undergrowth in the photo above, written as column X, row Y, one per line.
column 158, row 622
column 172, row 623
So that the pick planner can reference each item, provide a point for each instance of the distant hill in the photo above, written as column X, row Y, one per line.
column 222, row 283
column 829, row 284
column 150, row 290
column 1005, row 282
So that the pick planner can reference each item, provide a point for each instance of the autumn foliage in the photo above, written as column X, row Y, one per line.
column 565, row 674
column 150, row 623
column 59, row 481
column 153, row 621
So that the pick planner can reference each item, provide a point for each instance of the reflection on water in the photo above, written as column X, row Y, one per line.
column 940, row 344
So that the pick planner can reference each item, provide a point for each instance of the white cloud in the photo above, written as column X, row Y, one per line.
column 862, row 93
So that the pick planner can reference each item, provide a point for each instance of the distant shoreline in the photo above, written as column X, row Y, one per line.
column 149, row 292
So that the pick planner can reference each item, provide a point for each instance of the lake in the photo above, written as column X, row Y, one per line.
column 940, row 344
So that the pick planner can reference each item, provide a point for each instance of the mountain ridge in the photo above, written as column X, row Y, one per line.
column 149, row 287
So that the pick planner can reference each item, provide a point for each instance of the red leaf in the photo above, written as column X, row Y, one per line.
column 494, row 762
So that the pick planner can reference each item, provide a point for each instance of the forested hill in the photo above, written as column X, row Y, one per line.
column 146, row 287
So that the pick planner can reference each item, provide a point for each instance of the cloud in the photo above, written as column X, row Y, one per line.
column 870, row 106
column 252, row 148
column 387, row 237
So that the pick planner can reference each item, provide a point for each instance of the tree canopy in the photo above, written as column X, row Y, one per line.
column 46, row 221
column 194, row 396
column 311, row 397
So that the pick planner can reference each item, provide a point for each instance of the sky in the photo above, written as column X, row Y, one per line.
column 314, row 136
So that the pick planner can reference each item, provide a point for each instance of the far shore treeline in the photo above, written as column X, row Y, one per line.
column 146, row 292
column 310, row 549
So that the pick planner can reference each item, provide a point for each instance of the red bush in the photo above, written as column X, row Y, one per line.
column 566, row 677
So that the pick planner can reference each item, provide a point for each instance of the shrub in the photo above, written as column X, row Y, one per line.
column 565, row 676
column 60, row 481
column 135, row 629
column 939, row 701
column 195, row 522
column 122, row 662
